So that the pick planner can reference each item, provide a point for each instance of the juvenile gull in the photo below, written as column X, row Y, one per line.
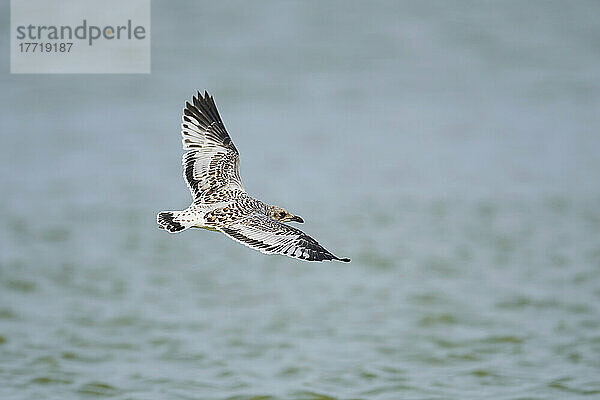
column 211, row 169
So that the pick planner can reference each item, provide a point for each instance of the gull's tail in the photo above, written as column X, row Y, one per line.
column 171, row 221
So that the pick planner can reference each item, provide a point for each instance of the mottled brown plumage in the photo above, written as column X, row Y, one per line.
column 211, row 169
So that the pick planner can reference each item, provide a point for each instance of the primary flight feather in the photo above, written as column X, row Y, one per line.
column 211, row 169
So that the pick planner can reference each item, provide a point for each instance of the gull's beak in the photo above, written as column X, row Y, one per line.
column 296, row 218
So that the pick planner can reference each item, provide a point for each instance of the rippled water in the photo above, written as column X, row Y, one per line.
column 452, row 151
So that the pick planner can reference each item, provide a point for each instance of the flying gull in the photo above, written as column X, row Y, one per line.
column 211, row 169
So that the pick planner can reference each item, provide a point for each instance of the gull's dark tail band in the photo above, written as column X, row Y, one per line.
column 167, row 220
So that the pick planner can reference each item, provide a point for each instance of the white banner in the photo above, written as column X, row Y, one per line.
column 80, row 36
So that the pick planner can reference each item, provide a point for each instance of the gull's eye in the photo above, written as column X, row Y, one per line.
column 281, row 214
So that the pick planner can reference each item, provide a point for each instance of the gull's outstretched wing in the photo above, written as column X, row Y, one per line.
column 212, row 163
column 266, row 235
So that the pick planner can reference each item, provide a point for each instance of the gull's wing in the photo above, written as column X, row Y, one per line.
column 212, row 163
column 266, row 235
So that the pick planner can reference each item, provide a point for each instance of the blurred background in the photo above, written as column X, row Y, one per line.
column 451, row 149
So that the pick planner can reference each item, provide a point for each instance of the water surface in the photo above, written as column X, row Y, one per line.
column 451, row 150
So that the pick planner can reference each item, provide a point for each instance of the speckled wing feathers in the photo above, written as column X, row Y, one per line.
column 266, row 235
column 211, row 169
column 212, row 162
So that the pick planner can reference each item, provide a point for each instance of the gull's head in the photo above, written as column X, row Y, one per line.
column 283, row 215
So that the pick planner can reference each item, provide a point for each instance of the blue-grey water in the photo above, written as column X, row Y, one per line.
column 451, row 149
